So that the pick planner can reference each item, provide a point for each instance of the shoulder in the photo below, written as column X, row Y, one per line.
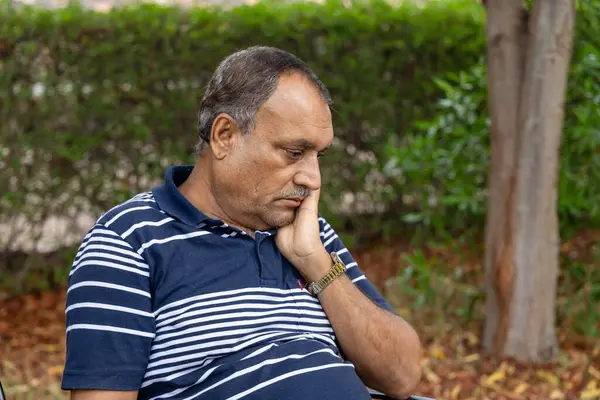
column 138, row 209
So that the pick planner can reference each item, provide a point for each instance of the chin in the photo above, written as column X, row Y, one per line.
column 279, row 219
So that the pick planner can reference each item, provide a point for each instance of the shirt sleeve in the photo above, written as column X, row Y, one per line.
column 109, row 319
column 332, row 242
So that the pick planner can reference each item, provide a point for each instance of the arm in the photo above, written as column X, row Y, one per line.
column 103, row 395
column 109, row 319
column 385, row 349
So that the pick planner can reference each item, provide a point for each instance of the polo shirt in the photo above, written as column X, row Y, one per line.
column 165, row 300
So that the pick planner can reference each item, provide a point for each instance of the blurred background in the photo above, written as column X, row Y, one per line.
column 97, row 98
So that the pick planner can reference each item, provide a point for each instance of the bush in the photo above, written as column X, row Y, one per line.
column 443, row 162
column 94, row 106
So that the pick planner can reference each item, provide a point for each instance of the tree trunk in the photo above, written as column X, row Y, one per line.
column 528, row 61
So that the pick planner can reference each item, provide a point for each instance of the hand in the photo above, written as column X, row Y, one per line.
column 299, row 241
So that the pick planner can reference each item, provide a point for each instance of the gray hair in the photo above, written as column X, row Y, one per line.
column 243, row 82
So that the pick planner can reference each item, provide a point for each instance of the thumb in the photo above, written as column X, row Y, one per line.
column 310, row 205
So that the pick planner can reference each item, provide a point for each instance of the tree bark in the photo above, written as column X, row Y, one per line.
column 528, row 61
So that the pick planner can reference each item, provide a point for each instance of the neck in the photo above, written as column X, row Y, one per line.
column 197, row 189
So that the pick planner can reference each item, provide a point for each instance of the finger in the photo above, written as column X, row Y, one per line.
column 311, row 203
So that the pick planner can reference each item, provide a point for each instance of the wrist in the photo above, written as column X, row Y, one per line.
column 337, row 269
column 315, row 267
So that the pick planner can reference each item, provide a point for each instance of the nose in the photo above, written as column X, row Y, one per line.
column 309, row 174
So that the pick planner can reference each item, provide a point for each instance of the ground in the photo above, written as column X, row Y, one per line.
column 454, row 367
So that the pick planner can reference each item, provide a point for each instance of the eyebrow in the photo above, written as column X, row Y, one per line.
column 306, row 145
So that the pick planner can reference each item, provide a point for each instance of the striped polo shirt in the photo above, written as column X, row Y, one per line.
column 164, row 299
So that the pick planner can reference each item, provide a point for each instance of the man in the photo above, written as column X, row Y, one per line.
column 224, row 282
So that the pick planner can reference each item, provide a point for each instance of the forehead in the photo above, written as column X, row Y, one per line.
column 296, row 111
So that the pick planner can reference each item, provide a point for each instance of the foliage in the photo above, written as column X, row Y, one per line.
column 444, row 281
column 444, row 161
column 94, row 106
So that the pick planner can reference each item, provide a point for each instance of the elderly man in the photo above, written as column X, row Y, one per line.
column 224, row 282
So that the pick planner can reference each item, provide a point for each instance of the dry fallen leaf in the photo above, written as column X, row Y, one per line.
column 594, row 372
column 490, row 380
column 471, row 358
column 437, row 351
column 521, row 388
column 431, row 376
column 548, row 377
column 590, row 394
column 455, row 391
column 55, row 370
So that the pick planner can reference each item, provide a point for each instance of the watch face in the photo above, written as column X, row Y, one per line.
column 336, row 258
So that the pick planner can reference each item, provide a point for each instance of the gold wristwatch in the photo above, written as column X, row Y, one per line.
column 336, row 270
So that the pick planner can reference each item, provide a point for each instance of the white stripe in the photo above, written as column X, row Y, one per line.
column 146, row 223
column 196, row 338
column 231, row 324
column 285, row 376
column 119, row 215
column 141, row 199
column 353, row 264
column 254, row 368
column 360, row 278
column 110, row 286
column 320, row 337
column 260, row 351
column 171, row 238
column 123, row 204
column 182, row 313
column 118, row 241
column 325, row 235
column 108, row 328
column 342, row 251
column 98, row 229
column 297, row 300
column 108, row 307
column 215, row 343
column 331, row 239
column 283, row 308
column 234, row 292
column 213, row 354
column 155, row 353
column 109, row 248
column 182, row 373
column 112, row 257
column 202, row 355
column 109, row 265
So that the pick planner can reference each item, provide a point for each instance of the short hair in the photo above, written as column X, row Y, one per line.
column 243, row 82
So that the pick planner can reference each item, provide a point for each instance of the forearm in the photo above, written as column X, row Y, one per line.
column 103, row 395
column 384, row 348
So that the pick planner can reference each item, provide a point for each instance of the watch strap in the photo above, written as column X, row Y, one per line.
column 334, row 272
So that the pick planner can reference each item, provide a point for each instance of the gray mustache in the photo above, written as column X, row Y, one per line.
column 299, row 192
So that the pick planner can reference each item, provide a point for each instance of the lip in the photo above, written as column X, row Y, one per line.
column 292, row 201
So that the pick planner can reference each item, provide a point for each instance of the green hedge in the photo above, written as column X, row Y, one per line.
column 94, row 106
column 443, row 162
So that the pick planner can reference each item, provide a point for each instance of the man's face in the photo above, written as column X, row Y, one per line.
column 268, row 173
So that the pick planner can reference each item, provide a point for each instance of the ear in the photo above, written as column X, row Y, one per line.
column 223, row 135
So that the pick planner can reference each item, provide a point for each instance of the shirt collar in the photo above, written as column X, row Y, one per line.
column 173, row 202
